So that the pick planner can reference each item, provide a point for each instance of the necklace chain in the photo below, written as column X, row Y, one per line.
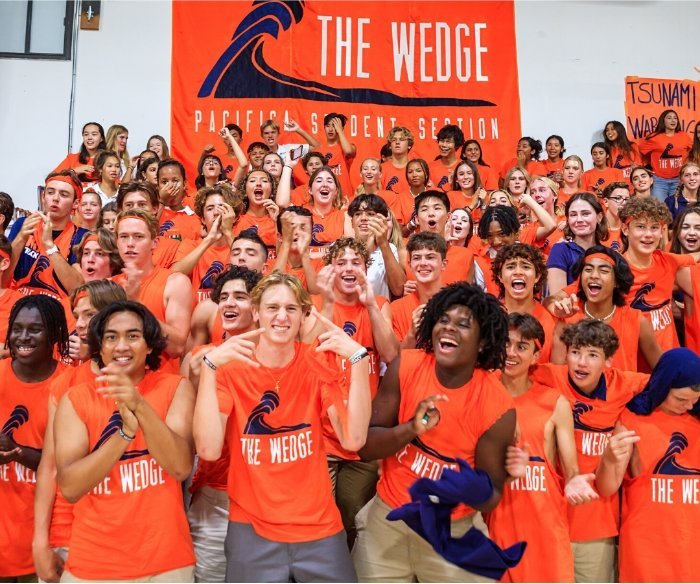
column 267, row 370
column 589, row 315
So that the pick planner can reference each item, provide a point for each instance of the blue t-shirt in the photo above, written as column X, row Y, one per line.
column 564, row 255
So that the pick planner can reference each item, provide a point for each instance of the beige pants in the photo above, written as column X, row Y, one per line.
column 595, row 560
column 185, row 574
column 354, row 484
column 390, row 551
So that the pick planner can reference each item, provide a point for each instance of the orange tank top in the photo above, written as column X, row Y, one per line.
column 107, row 541
column 533, row 507
column 626, row 324
column 471, row 411
column 595, row 416
column 24, row 411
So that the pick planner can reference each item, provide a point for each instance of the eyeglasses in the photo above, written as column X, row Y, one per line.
column 619, row 200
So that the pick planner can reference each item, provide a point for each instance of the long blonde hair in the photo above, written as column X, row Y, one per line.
column 111, row 140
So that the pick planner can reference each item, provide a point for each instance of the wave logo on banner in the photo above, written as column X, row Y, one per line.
column 242, row 72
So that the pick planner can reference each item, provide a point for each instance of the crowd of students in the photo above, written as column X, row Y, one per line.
column 305, row 367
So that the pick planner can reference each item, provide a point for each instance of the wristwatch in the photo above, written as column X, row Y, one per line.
column 52, row 250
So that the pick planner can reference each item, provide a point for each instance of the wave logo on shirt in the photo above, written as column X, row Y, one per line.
column 269, row 401
column 350, row 328
column 442, row 182
column 392, row 181
column 668, row 465
column 639, row 301
column 165, row 227
column 316, row 229
column 418, row 443
column 618, row 162
column 615, row 246
column 112, row 427
column 667, row 152
column 18, row 417
column 210, row 277
column 42, row 267
column 579, row 410
column 243, row 72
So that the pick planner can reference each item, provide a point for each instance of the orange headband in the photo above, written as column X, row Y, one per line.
column 79, row 296
column 601, row 256
column 77, row 187
column 4, row 255
column 89, row 238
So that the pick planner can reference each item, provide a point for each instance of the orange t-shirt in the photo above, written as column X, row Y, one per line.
column 625, row 163
column 264, row 226
column 403, row 206
column 394, row 178
column 72, row 161
column 595, row 416
column 667, row 153
column 652, row 292
column 278, row 475
column 459, row 200
column 7, row 301
column 533, row 507
column 459, row 262
column 614, row 240
column 336, row 160
column 548, row 322
column 533, row 167
column 471, row 411
column 326, row 229
column 553, row 167
column 212, row 263
column 133, row 523
column 659, row 535
column 24, row 412
column 300, row 195
column 595, row 180
column 441, row 173
column 62, row 515
column 488, row 176
column 179, row 225
column 354, row 319
column 626, row 322
column 401, row 314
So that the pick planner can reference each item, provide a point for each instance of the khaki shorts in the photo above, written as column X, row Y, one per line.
column 390, row 551
column 595, row 560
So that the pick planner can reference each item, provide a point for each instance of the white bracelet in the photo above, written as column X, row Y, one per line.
column 358, row 355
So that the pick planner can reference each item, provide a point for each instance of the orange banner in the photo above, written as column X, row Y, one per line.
column 411, row 63
column 646, row 98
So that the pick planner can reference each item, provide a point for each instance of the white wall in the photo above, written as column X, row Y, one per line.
column 123, row 77
column 572, row 59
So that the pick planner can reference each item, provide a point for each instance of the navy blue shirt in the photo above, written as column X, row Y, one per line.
column 564, row 255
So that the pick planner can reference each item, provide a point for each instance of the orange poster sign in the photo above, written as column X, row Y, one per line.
column 646, row 98
column 410, row 63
